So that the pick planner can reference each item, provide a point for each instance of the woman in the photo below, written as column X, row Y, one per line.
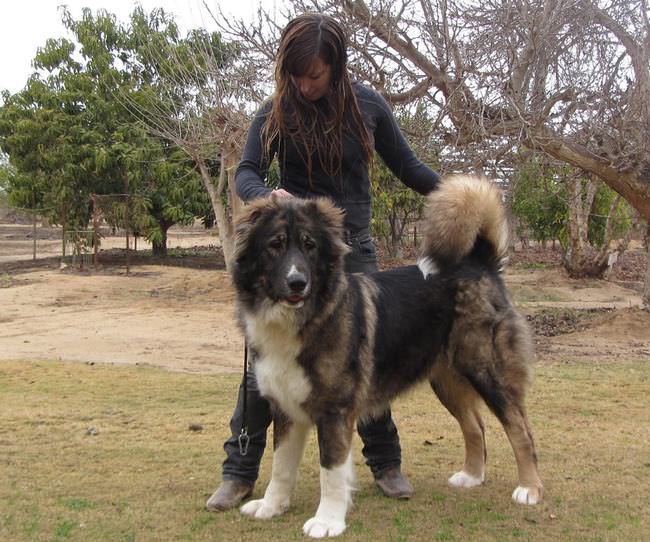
column 323, row 129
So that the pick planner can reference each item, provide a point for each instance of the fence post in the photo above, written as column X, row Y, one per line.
column 34, row 234
column 95, row 230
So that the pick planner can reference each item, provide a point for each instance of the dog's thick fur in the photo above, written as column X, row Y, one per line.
column 332, row 347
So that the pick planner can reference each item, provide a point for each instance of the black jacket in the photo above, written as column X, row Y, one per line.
column 351, row 192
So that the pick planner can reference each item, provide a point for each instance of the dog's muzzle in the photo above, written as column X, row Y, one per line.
column 297, row 287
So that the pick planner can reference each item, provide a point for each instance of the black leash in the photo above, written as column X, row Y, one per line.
column 244, row 439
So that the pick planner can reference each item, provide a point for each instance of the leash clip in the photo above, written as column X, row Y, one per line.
column 243, row 441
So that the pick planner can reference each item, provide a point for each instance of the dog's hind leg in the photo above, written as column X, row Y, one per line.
column 507, row 403
column 515, row 423
column 463, row 402
column 289, row 443
column 503, row 384
column 336, row 476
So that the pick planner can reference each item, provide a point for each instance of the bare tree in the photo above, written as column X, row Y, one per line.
column 646, row 285
column 579, row 260
column 569, row 78
column 196, row 93
column 566, row 77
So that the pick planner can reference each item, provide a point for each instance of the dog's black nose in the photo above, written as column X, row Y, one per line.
column 297, row 282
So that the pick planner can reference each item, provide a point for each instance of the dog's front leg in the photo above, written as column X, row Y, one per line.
column 289, row 443
column 336, row 476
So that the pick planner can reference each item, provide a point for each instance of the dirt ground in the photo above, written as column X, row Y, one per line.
column 180, row 315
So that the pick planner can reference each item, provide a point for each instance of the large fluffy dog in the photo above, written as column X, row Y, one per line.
column 331, row 347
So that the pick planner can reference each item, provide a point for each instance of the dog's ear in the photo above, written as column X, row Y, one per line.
column 251, row 213
column 330, row 214
column 331, row 217
column 246, row 220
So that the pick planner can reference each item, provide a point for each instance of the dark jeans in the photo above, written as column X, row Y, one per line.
column 381, row 446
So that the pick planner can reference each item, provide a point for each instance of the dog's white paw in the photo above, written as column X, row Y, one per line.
column 526, row 495
column 261, row 509
column 321, row 527
column 464, row 479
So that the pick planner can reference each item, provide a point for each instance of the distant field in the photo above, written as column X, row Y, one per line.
column 143, row 475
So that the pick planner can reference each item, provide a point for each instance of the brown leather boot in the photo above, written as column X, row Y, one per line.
column 394, row 484
column 228, row 495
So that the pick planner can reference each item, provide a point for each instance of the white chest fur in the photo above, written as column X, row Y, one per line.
column 278, row 374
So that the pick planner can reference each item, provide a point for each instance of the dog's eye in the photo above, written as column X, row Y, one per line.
column 308, row 243
column 276, row 243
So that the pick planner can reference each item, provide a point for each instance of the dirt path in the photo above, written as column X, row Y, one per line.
column 183, row 318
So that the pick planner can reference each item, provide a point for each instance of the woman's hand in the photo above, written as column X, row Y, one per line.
column 282, row 193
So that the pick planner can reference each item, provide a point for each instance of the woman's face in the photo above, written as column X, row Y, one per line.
column 315, row 83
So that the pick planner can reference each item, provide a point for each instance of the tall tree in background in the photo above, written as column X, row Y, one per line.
column 69, row 137
column 593, row 223
column 194, row 93
column 166, row 179
column 568, row 78
column 538, row 199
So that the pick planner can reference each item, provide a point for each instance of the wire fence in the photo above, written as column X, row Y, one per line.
column 27, row 234
column 79, row 248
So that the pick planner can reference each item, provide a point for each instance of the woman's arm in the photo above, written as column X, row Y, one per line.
column 254, row 166
column 398, row 155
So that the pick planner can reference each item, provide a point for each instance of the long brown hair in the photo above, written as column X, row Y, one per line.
column 314, row 128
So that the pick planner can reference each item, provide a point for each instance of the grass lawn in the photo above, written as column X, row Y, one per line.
column 93, row 452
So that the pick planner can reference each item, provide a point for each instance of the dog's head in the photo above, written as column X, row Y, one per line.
column 288, row 251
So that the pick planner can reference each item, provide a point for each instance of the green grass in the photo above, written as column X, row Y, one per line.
column 145, row 476
column 6, row 280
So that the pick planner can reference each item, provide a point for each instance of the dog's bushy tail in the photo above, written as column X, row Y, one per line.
column 464, row 215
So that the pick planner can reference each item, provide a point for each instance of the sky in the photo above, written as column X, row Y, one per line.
column 26, row 24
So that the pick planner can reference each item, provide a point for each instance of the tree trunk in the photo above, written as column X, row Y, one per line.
column 580, row 260
column 646, row 283
column 63, row 232
column 394, row 236
column 221, row 216
column 236, row 204
column 611, row 255
column 160, row 249
column 575, row 258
